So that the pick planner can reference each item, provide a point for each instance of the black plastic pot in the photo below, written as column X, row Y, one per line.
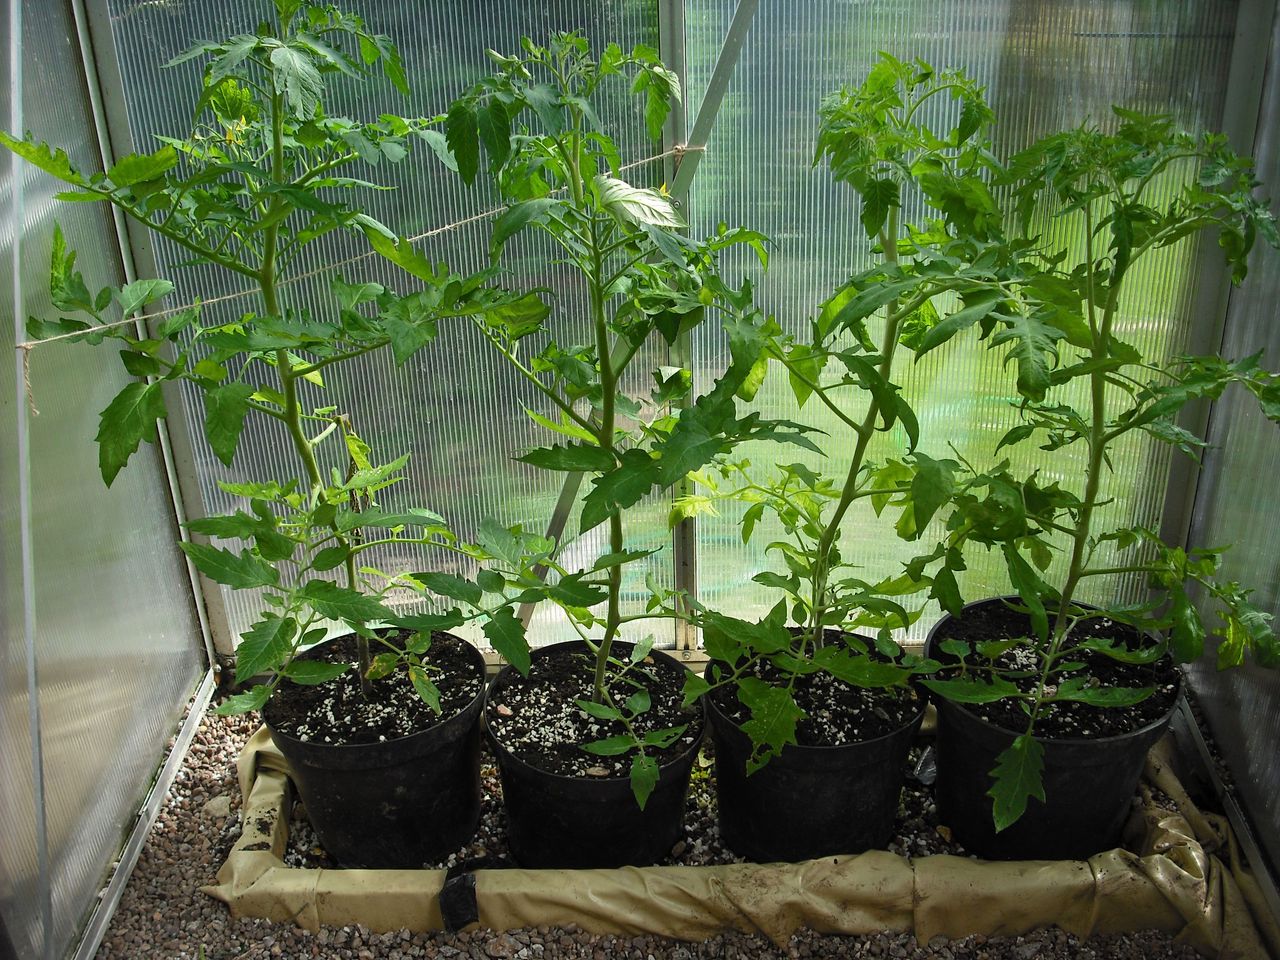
column 396, row 804
column 808, row 802
column 562, row 822
column 1089, row 784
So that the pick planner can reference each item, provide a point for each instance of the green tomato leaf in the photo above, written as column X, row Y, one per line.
column 312, row 673
column 241, row 571
column 601, row 711
column 1033, row 347
column 297, row 78
column 572, row 592
column 636, row 205
column 622, row 487
column 128, row 420
column 140, row 293
column 225, row 411
column 448, row 585
column 932, row 485
column 506, row 633
column 695, row 685
column 638, row 703
column 330, row 558
column 245, row 702
column 239, row 526
column 572, row 458
column 342, row 603
column 1016, row 778
column 1078, row 689
column 644, row 777
column 774, row 716
column 139, row 168
column 519, row 215
column 425, row 688
column 973, row 311
column 462, row 133
column 265, row 646
column 878, row 198
column 972, row 689
column 612, row 746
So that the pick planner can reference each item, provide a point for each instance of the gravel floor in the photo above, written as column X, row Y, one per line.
column 163, row 915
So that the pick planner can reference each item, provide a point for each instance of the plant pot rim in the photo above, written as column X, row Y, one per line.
column 474, row 655
column 565, row 646
column 921, row 699
column 942, row 702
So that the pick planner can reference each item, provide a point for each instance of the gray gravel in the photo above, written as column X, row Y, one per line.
column 163, row 915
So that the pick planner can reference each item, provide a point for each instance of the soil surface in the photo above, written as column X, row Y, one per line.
column 338, row 713
column 836, row 712
column 537, row 718
column 163, row 916
column 993, row 620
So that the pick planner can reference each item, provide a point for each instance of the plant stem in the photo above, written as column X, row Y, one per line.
column 1097, row 439
column 291, row 415
column 608, row 389
column 822, row 566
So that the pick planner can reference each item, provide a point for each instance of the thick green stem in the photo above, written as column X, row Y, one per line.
column 822, row 566
column 292, row 413
column 1098, row 439
column 608, row 388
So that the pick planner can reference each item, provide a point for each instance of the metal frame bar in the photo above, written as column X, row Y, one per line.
column 109, row 899
column 681, row 170
column 1212, row 298
column 684, row 537
column 1197, row 753
column 22, row 413
column 137, row 255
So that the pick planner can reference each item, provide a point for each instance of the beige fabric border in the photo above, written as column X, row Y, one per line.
column 1175, row 882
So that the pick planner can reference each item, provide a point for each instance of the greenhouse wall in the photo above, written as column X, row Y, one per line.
column 102, row 595
column 1236, row 505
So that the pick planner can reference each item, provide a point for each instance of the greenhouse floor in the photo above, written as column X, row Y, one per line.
column 164, row 914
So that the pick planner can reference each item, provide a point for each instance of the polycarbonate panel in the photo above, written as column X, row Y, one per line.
column 1047, row 65
column 1236, row 504
column 457, row 405
column 118, row 647
column 20, row 896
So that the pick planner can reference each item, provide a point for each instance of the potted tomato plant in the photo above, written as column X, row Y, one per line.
column 812, row 721
column 595, row 746
column 380, row 726
column 1047, row 704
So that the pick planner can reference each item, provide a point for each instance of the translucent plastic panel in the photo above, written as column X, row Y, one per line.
column 1046, row 66
column 1236, row 504
column 457, row 405
column 20, row 894
column 118, row 649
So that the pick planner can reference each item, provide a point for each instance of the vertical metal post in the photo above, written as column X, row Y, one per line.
column 679, row 175
column 17, row 220
column 1212, row 297
column 684, row 538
